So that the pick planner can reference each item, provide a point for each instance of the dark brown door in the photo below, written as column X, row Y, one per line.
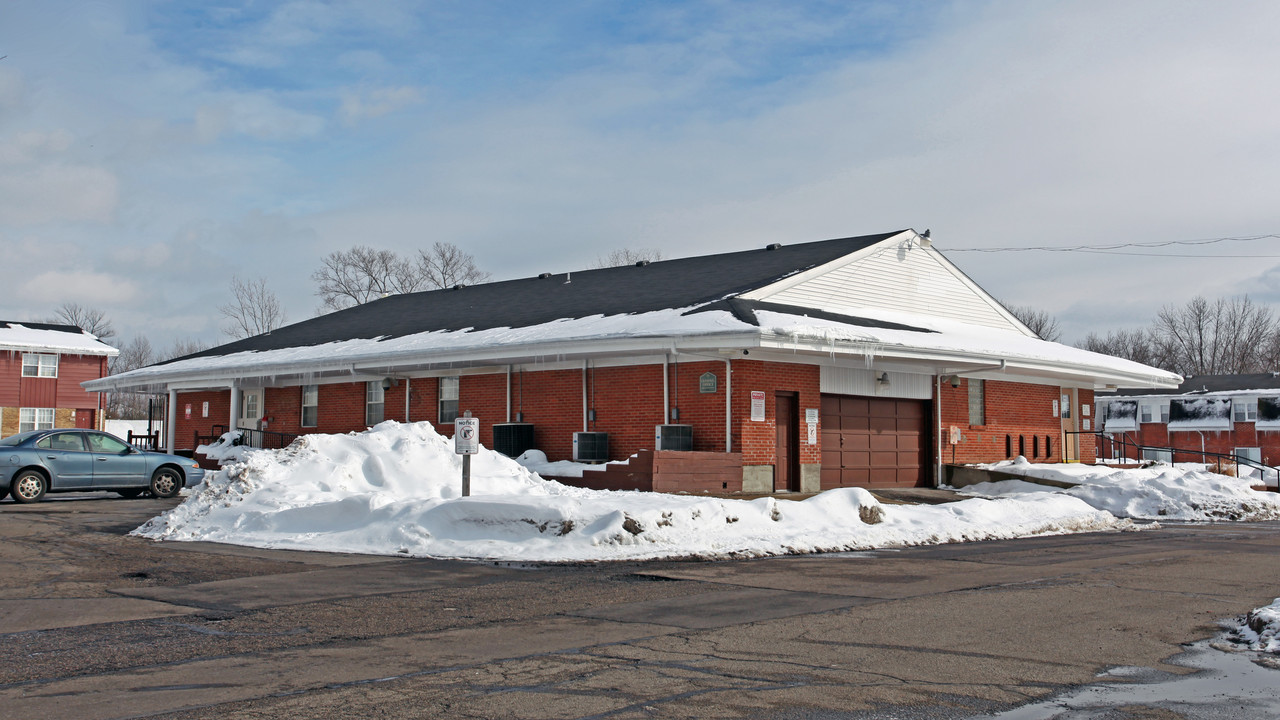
column 874, row 442
column 84, row 419
column 786, row 474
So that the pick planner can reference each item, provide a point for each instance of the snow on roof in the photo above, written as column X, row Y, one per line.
column 45, row 337
column 654, row 330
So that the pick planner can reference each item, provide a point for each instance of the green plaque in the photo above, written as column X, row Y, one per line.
column 707, row 382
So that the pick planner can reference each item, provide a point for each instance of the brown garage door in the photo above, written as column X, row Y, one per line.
column 874, row 442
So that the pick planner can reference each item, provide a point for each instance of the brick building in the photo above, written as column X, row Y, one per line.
column 42, row 367
column 1224, row 414
column 859, row 361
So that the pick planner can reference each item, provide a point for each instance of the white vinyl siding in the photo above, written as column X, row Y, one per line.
column 857, row 381
column 915, row 281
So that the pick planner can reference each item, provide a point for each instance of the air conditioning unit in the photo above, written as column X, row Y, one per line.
column 513, row 439
column 673, row 437
column 591, row 446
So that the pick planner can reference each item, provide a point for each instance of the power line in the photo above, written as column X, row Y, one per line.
column 1113, row 249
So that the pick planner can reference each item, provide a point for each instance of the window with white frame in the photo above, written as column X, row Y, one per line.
column 1250, row 453
column 374, row 402
column 35, row 419
column 39, row 365
column 977, row 403
column 1146, row 413
column 448, row 399
column 1164, row 413
column 311, row 405
column 1244, row 409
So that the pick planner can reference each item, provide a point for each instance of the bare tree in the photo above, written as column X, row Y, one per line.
column 254, row 309
column 183, row 347
column 137, row 353
column 1041, row 323
column 1136, row 345
column 1226, row 336
column 446, row 265
column 90, row 320
column 626, row 256
column 356, row 276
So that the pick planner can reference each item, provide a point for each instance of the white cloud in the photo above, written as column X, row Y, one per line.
column 58, row 194
column 93, row 289
column 364, row 104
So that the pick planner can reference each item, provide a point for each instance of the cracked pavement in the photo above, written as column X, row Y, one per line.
column 97, row 624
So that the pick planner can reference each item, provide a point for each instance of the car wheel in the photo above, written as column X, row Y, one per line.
column 28, row 487
column 165, row 483
column 129, row 493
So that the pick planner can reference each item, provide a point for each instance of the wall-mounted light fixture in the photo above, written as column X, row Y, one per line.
column 882, row 380
column 955, row 381
column 388, row 383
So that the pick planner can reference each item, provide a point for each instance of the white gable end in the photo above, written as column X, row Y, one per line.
column 897, row 277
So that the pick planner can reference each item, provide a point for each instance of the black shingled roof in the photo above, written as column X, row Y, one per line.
column 622, row 290
column 73, row 329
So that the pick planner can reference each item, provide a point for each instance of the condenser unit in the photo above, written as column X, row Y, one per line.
column 673, row 437
column 513, row 439
column 591, row 446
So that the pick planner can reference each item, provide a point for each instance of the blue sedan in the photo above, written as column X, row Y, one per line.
column 48, row 461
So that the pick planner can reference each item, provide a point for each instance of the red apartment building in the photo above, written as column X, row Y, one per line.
column 867, row 361
column 42, row 367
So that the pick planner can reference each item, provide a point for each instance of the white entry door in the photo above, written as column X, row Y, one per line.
column 250, row 409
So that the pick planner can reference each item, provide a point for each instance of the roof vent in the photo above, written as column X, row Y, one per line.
column 459, row 286
column 641, row 263
column 773, row 246
column 544, row 276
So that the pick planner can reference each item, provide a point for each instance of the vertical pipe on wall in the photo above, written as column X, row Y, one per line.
column 508, row 393
column 728, row 405
column 666, row 389
column 584, row 396
column 407, row 382
column 171, row 420
column 937, row 411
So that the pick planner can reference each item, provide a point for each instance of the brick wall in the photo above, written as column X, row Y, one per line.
column 1019, row 421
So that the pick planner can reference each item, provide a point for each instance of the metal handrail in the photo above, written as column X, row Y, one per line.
column 266, row 439
column 1125, row 444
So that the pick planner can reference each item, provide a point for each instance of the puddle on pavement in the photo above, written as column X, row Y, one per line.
column 1226, row 685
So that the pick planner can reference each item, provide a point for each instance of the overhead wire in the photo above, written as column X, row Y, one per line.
column 1119, row 248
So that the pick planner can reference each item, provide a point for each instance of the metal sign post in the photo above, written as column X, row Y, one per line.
column 466, row 442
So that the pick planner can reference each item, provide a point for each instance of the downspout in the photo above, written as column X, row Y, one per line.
column 508, row 393
column 728, row 405
column 666, row 389
column 584, row 396
column 937, row 411
column 171, row 421
column 407, row 382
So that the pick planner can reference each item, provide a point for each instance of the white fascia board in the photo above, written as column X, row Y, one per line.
column 417, row 362
column 763, row 294
column 104, row 351
column 942, row 362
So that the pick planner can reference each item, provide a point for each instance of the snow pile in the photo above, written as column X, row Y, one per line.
column 1259, row 630
column 1157, row 492
column 225, row 449
column 536, row 461
column 395, row 489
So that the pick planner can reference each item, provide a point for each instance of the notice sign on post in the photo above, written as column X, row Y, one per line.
column 757, row 406
column 466, row 442
column 466, row 435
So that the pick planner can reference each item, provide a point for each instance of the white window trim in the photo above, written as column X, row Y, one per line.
column 1248, row 405
column 46, row 365
column 456, row 385
column 40, row 419
column 302, row 414
column 374, row 395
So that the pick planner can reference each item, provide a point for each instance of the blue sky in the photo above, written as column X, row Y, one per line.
column 149, row 150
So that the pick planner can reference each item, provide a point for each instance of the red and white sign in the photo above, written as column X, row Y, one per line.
column 188, row 411
column 757, row 406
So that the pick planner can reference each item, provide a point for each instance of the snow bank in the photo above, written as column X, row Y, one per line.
column 1259, row 630
column 395, row 489
column 1158, row 492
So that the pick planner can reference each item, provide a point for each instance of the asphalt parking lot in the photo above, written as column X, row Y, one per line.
column 97, row 624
